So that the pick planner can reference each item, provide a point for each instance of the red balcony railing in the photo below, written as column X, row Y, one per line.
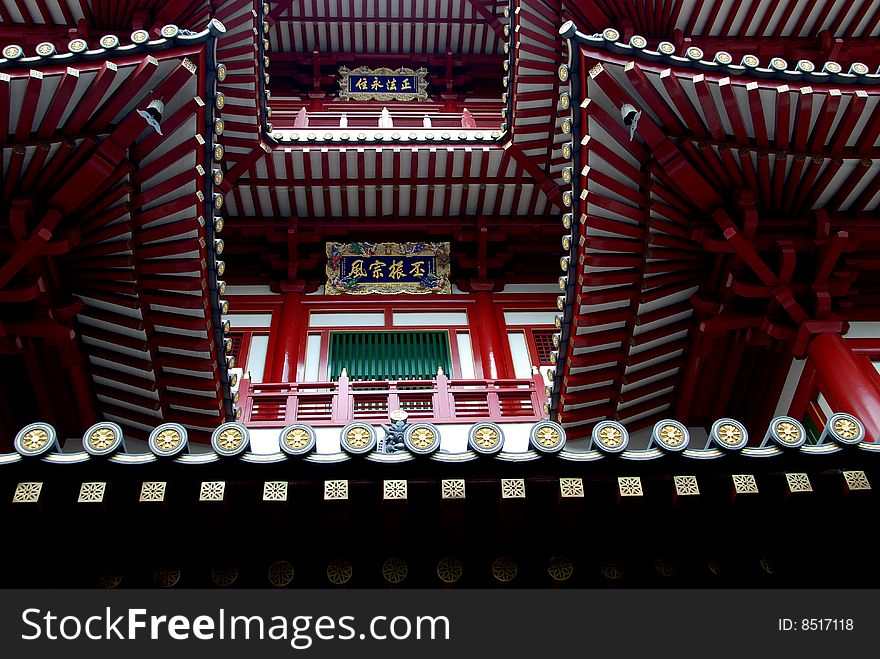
column 441, row 400
column 349, row 116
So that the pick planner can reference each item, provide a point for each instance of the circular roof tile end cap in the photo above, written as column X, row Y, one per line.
column 670, row 435
column 297, row 439
column 102, row 439
column 422, row 438
column 610, row 437
column 568, row 29
column 486, row 438
column 216, row 28
column 168, row 440
column 358, row 438
column 230, row 439
column 729, row 434
column 786, row 432
column 547, row 437
column 36, row 439
column 843, row 428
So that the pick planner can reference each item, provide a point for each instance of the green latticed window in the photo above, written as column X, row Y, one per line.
column 389, row 355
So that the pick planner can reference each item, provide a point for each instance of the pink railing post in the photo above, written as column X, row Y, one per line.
column 244, row 394
column 343, row 404
column 393, row 397
column 492, row 400
column 292, row 407
column 539, row 396
column 443, row 403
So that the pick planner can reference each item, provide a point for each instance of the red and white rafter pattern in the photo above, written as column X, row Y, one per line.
column 396, row 181
column 771, row 18
column 753, row 19
column 238, row 51
column 459, row 27
column 762, row 195
column 33, row 21
column 392, row 181
column 536, row 114
column 123, row 224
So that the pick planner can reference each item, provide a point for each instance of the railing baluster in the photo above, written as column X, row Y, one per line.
column 492, row 400
column 244, row 388
column 443, row 403
column 292, row 409
column 393, row 396
column 539, row 396
column 344, row 401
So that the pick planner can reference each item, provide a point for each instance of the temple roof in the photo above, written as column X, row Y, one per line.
column 744, row 205
column 119, row 210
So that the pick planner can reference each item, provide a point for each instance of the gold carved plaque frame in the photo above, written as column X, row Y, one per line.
column 387, row 268
column 383, row 84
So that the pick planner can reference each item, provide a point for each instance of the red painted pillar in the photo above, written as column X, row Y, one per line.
column 290, row 334
column 484, row 326
column 845, row 382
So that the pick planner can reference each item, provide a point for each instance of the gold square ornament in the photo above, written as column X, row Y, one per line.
column 513, row 488
column 630, row 486
column 152, row 491
column 745, row 484
column 335, row 490
column 452, row 488
column 856, row 480
column 275, row 490
column 394, row 489
column 92, row 492
column 686, row 486
column 571, row 488
column 212, row 490
column 798, row 482
column 27, row 492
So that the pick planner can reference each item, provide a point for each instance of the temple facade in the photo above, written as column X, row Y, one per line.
column 441, row 294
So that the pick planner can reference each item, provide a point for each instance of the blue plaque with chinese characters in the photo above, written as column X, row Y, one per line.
column 363, row 268
column 382, row 84
column 364, row 84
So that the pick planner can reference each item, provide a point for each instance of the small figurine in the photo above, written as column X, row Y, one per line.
column 394, row 432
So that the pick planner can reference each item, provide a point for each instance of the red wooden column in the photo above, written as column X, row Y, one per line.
column 845, row 381
column 290, row 335
column 484, row 327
